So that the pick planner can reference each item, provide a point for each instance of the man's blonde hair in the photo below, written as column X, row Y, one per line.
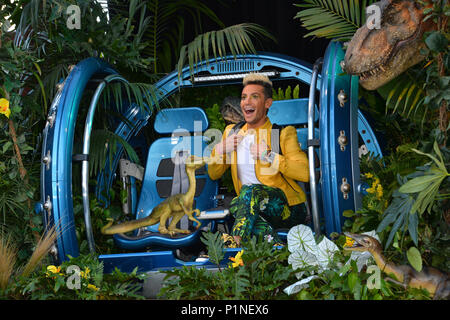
column 261, row 79
column 256, row 77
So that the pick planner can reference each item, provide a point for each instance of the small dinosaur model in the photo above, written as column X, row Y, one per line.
column 231, row 109
column 175, row 207
column 435, row 281
column 379, row 55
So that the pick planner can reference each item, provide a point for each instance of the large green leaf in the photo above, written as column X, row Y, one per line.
column 414, row 258
column 332, row 19
column 419, row 184
column 215, row 246
column 396, row 214
column 301, row 237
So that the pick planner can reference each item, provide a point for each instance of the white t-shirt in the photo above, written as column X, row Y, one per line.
column 245, row 161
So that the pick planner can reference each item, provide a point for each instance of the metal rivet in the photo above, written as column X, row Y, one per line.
column 47, row 159
column 342, row 140
column 345, row 188
column 342, row 97
column 48, row 205
column 51, row 119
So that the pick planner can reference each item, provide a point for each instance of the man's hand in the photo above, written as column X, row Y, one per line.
column 229, row 144
column 259, row 151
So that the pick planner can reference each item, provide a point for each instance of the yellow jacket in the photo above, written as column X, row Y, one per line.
column 293, row 163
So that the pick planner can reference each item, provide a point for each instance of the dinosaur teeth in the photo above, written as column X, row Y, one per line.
column 372, row 72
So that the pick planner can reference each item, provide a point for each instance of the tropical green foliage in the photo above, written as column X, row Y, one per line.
column 166, row 32
column 412, row 110
column 287, row 94
column 333, row 19
column 260, row 271
column 44, row 55
column 80, row 278
column 235, row 39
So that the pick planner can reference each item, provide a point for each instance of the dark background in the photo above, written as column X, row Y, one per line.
column 277, row 17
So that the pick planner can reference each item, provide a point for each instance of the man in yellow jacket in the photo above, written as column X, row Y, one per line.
column 265, row 181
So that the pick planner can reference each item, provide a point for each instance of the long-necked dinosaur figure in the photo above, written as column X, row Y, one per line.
column 379, row 55
column 435, row 281
column 174, row 207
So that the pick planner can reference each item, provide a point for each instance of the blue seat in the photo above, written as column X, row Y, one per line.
column 294, row 112
column 181, row 130
column 291, row 112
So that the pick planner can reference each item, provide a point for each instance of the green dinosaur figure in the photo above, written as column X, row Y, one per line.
column 174, row 207
column 379, row 55
column 436, row 282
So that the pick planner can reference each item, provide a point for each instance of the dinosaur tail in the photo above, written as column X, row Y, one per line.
column 126, row 226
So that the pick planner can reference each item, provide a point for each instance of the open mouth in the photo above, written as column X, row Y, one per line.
column 351, row 243
column 367, row 74
column 249, row 111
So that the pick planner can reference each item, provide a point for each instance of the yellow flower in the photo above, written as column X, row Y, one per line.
column 4, row 107
column 237, row 260
column 349, row 242
column 379, row 191
column 92, row 287
column 368, row 175
column 239, row 224
column 52, row 271
column 85, row 273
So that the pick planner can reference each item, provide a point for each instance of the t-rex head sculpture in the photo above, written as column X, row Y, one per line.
column 379, row 55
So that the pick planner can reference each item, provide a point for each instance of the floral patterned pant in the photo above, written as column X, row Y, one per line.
column 260, row 209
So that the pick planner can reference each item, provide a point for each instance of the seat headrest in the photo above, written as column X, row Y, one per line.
column 290, row 112
column 191, row 119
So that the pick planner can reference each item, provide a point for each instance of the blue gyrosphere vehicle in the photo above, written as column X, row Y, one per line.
column 330, row 129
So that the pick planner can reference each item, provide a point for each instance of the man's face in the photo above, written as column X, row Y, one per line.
column 254, row 105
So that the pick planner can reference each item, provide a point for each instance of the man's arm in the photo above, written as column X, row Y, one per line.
column 220, row 160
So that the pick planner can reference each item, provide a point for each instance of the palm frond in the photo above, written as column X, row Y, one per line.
column 144, row 95
column 165, row 31
column 332, row 19
column 405, row 96
column 104, row 144
column 236, row 39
